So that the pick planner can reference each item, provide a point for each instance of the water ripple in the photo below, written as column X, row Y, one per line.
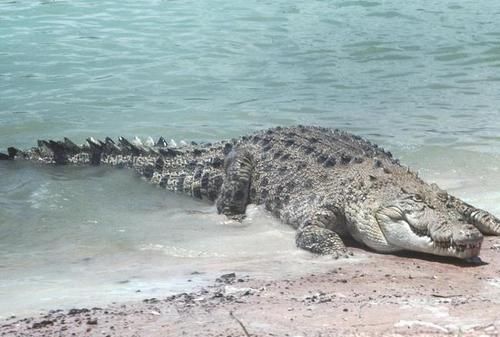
column 189, row 68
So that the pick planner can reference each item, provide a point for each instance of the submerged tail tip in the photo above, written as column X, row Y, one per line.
column 11, row 154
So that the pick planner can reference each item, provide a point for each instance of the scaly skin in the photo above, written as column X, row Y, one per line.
column 326, row 183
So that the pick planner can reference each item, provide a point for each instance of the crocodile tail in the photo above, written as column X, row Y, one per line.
column 12, row 153
column 46, row 151
column 96, row 149
column 67, row 152
column 194, row 171
column 200, row 182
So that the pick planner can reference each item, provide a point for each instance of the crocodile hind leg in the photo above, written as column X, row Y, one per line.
column 234, row 195
column 486, row 222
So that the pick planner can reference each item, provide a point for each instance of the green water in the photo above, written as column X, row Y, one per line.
column 401, row 73
column 420, row 78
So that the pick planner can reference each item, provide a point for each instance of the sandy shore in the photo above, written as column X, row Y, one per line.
column 377, row 295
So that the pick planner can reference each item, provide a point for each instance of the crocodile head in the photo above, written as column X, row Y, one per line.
column 412, row 223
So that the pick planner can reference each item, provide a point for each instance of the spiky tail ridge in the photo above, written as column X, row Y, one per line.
column 196, row 170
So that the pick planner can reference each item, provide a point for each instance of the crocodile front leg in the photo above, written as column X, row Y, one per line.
column 312, row 236
column 233, row 199
column 319, row 225
column 319, row 233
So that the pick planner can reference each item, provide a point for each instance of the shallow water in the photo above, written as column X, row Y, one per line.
column 89, row 236
column 420, row 79
column 425, row 73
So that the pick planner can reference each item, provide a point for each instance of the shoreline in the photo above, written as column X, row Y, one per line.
column 407, row 295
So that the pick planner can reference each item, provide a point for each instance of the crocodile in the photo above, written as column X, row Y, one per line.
column 330, row 185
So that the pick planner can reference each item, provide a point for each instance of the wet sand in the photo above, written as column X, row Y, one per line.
column 407, row 295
